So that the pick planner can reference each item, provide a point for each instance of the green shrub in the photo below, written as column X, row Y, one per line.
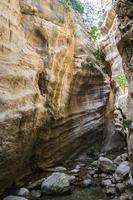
column 96, row 53
column 126, row 123
column 121, row 80
column 75, row 4
column 66, row 3
column 94, row 33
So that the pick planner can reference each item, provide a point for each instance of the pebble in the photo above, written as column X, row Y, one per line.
column 24, row 192
column 106, row 182
column 60, row 169
column 36, row 184
column 86, row 183
column 91, row 172
column 75, row 171
column 120, row 187
column 36, row 193
column 103, row 175
column 110, row 191
column 96, row 176
column 72, row 179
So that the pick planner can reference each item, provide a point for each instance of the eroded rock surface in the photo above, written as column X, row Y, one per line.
column 118, row 51
column 113, row 62
column 52, row 96
column 124, row 10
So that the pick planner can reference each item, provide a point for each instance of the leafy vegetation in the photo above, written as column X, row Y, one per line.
column 75, row 4
column 66, row 3
column 94, row 33
column 96, row 53
column 126, row 123
column 121, row 80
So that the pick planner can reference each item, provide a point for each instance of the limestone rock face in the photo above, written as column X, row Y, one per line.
column 124, row 10
column 118, row 51
column 112, row 59
column 110, row 38
column 52, row 96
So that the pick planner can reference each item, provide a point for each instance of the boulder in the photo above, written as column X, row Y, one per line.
column 95, row 163
column 121, row 158
column 124, row 197
column 36, row 193
column 106, row 183
column 122, row 171
column 24, row 192
column 36, row 184
column 74, row 171
column 130, row 181
column 110, row 191
column 103, row 175
column 60, row 169
column 106, row 165
column 72, row 179
column 86, row 182
column 57, row 183
column 120, row 187
column 11, row 197
column 92, row 172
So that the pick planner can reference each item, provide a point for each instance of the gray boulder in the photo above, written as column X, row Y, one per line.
column 72, row 179
column 11, row 197
column 75, row 171
column 121, row 158
column 122, row 171
column 110, row 191
column 106, row 165
column 106, row 183
column 60, row 169
column 24, row 192
column 36, row 193
column 120, row 187
column 57, row 183
column 86, row 182
column 36, row 184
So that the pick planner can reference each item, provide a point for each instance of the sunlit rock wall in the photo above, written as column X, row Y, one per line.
column 110, row 38
column 113, row 62
column 52, row 95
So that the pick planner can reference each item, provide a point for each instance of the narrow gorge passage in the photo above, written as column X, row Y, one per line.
column 66, row 99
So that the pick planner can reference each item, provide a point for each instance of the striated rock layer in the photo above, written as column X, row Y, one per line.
column 52, row 95
column 113, row 62
column 124, row 10
column 117, row 47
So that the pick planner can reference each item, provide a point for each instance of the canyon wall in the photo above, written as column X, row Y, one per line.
column 117, row 49
column 124, row 11
column 52, row 94
column 110, row 37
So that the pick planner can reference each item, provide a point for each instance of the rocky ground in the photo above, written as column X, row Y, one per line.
column 88, row 171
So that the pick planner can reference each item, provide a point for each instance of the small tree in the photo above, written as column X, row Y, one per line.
column 121, row 80
column 94, row 33
column 75, row 4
